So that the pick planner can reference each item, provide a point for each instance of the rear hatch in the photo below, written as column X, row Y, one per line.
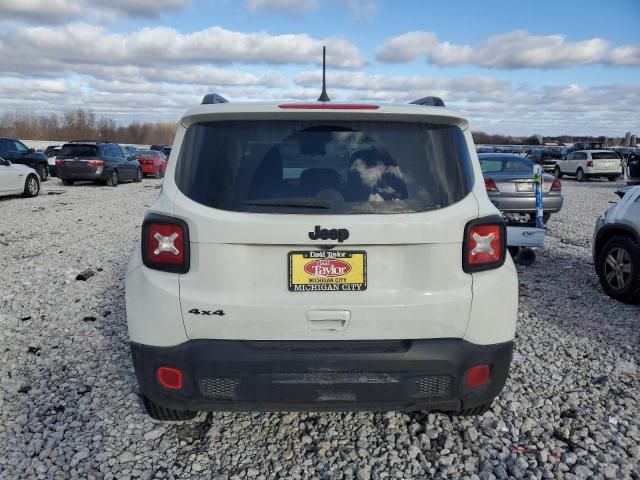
column 78, row 159
column 322, row 229
column 605, row 161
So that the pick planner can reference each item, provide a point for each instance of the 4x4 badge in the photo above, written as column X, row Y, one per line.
column 340, row 234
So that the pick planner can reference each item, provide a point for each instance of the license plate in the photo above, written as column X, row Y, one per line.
column 328, row 271
column 524, row 187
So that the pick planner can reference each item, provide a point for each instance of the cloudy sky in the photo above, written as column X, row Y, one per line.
column 548, row 67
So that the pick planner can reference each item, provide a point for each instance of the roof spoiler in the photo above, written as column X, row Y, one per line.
column 429, row 102
column 211, row 98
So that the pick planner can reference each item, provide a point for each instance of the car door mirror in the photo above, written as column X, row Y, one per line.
column 30, row 150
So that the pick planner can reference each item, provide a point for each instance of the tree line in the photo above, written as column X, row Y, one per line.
column 482, row 138
column 83, row 125
column 86, row 125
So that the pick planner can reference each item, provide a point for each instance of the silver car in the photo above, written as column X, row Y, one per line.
column 508, row 179
column 616, row 247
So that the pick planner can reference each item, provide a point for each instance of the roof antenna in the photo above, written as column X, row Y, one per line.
column 323, row 96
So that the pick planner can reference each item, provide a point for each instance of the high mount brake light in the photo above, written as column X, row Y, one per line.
column 327, row 106
column 165, row 244
column 490, row 184
column 484, row 244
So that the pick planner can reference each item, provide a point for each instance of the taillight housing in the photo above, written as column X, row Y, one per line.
column 556, row 186
column 59, row 162
column 484, row 245
column 490, row 184
column 96, row 163
column 170, row 378
column 165, row 243
column 590, row 163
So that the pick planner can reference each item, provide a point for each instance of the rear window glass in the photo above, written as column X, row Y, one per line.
column 324, row 167
column 144, row 154
column 605, row 156
column 79, row 151
column 510, row 164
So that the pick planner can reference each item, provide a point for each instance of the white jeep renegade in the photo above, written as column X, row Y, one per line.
column 321, row 256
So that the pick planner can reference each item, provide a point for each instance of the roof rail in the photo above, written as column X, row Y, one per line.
column 87, row 141
column 211, row 98
column 429, row 102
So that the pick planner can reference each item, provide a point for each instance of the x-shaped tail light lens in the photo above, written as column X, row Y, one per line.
column 165, row 244
column 485, row 246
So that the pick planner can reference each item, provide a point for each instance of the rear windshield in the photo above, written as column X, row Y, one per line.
column 605, row 156
column 324, row 167
column 508, row 164
column 144, row 153
column 79, row 151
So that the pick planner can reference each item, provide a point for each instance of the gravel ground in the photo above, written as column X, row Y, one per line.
column 69, row 406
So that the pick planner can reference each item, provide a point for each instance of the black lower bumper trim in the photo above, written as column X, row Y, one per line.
column 230, row 375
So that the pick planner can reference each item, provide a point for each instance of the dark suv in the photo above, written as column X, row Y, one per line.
column 17, row 152
column 97, row 162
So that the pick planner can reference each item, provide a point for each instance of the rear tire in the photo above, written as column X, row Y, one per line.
column 43, row 172
column 161, row 173
column 31, row 186
column 164, row 414
column 67, row 183
column 546, row 217
column 471, row 412
column 113, row 179
column 557, row 172
column 580, row 175
column 138, row 177
column 613, row 179
column 629, row 291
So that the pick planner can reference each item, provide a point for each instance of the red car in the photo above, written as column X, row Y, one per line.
column 152, row 162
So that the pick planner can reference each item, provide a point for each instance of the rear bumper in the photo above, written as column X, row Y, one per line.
column 233, row 375
column 149, row 169
column 516, row 204
column 89, row 176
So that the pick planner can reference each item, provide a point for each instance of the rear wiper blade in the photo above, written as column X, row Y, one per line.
column 289, row 202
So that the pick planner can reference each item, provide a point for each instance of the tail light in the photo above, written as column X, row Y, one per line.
column 590, row 163
column 165, row 243
column 484, row 244
column 490, row 184
column 556, row 186
column 59, row 162
column 96, row 163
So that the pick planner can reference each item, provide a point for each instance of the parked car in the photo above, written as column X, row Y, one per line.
column 52, row 152
column 631, row 168
column 278, row 272
column 97, row 162
column 586, row 164
column 17, row 179
column 166, row 149
column 616, row 247
column 153, row 162
column 546, row 158
column 509, row 183
column 132, row 150
column 18, row 153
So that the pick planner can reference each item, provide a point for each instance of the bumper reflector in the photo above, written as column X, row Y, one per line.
column 478, row 376
column 170, row 378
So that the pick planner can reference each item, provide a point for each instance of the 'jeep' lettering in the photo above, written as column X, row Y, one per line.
column 340, row 234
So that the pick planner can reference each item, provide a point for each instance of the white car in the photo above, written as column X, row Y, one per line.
column 586, row 164
column 321, row 256
column 16, row 179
